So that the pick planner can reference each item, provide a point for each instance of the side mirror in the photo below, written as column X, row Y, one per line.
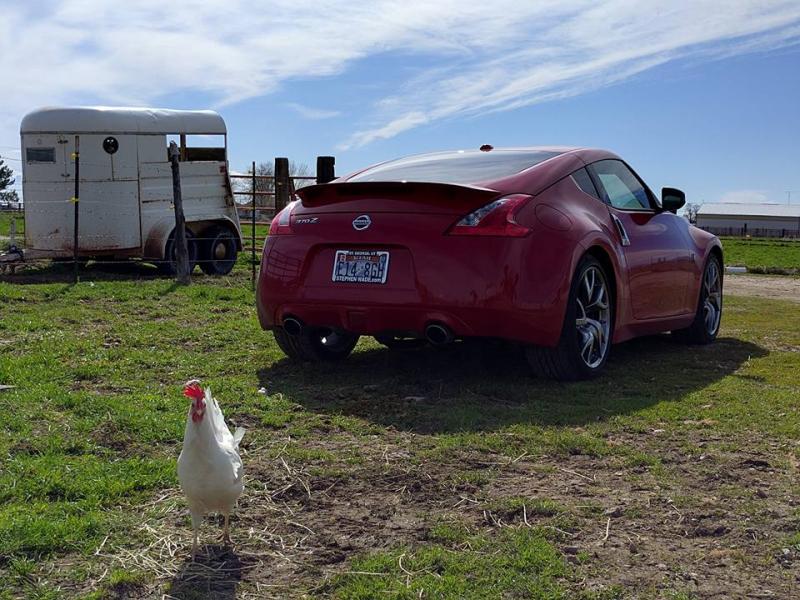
column 672, row 199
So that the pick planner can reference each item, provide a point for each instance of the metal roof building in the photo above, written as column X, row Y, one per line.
column 767, row 220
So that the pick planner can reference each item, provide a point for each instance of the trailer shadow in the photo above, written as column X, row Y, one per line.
column 62, row 272
column 484, row 387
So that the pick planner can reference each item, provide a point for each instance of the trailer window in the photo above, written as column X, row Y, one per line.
column 200, row 148
column 40, row 155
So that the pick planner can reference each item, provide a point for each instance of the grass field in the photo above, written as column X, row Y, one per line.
column 435, row 474
column 762, row 254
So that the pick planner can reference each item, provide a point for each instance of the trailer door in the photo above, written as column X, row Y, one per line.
column 48, row 185
column 109, row 193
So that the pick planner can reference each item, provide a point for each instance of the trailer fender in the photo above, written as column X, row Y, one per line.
column 197, row 226
column 156, row 242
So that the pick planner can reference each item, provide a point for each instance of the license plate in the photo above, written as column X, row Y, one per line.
column 361, row 266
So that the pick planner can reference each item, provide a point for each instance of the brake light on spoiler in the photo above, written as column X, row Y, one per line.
column 494, row 219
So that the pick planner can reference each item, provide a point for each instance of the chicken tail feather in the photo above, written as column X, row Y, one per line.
column 238, row 435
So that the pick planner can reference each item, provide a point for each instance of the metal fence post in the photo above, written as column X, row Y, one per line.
column 253, row 228
column 76, row 203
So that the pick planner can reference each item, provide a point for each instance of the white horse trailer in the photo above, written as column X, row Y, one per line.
column 126, row 208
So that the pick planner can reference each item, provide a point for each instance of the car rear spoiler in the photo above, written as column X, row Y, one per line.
column 453, row 196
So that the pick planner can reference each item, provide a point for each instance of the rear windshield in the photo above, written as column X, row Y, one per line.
column 456, row 167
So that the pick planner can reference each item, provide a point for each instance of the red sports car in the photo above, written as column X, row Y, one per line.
column 562, row 250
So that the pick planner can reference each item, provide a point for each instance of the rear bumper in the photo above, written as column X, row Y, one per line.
column 412, row 321
column 474, row 299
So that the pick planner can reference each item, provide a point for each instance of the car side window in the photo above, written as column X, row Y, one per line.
column 584, row 182
column 621, row 188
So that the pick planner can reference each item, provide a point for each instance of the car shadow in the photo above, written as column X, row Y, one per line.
column 215, row 575
column 487, row 386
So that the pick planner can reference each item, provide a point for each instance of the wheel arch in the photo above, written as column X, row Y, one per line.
column 199, row 227
column 716, row 250
column 614, row 263
column 157, row 237
column 600, row 254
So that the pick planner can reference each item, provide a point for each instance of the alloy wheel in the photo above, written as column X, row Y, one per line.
column 593, row 317
column 712, row 305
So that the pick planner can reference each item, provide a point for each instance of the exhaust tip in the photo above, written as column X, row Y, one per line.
column 292, row 326
column 438, row 334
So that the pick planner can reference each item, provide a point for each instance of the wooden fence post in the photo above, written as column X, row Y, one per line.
column 282, row 184
column 179, row 241
column 325, row 169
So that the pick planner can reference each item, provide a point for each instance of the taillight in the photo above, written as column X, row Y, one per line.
column 280, row 222
column 496, row 218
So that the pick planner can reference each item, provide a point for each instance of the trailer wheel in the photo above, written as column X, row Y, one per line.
column 218, row 251
column 169, row 265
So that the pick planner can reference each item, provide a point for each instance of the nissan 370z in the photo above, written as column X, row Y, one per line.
column 564, row 251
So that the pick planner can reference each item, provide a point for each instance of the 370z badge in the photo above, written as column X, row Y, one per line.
column 306, row 220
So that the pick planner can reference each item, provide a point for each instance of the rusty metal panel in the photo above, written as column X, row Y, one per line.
column 109, row 215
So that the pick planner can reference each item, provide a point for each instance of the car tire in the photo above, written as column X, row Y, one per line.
column 218, row 251
column 399, row 343
column 315, row 344
column 708, row 316
column 169, row 265
column 585, row 341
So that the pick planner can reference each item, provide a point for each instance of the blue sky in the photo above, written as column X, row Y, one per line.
column 692, row 96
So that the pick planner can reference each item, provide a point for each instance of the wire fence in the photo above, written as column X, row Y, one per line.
column 755, row 232
column 257, row 198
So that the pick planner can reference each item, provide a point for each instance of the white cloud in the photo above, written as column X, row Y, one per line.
column 313, row 113
column 745, row 196
column 473, row 57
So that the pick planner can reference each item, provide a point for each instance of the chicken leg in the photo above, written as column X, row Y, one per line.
column 197, row 519
column 226, row 533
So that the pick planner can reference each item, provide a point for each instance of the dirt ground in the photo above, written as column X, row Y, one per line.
column 707, row 532
column 776, row 287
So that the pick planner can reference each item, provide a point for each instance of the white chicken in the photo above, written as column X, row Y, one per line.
column 209, row 468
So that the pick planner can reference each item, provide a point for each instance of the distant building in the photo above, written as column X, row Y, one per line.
column 758, row 220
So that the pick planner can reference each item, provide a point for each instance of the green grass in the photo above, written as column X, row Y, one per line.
column 759, row 254
column 5, row 222
column 517, row 563
column 94, row 425
column 5, row 228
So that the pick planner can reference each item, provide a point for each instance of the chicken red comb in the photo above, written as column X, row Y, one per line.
column 193, row 390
